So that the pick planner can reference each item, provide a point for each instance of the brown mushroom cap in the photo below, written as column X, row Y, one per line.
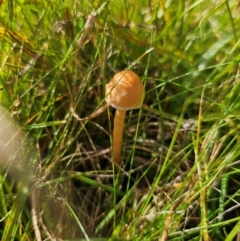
column 125, row 91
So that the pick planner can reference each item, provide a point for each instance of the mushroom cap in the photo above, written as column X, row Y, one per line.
column 125, row 91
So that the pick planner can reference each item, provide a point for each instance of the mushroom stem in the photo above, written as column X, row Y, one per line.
column 118, row 136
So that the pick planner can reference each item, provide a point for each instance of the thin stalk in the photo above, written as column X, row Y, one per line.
column 118, row 136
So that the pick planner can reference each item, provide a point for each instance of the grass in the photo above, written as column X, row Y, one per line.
column 180, row 159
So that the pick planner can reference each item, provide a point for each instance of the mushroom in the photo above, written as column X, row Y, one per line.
column 125, row 91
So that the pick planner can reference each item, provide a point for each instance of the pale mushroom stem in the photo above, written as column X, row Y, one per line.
column 118, row 136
